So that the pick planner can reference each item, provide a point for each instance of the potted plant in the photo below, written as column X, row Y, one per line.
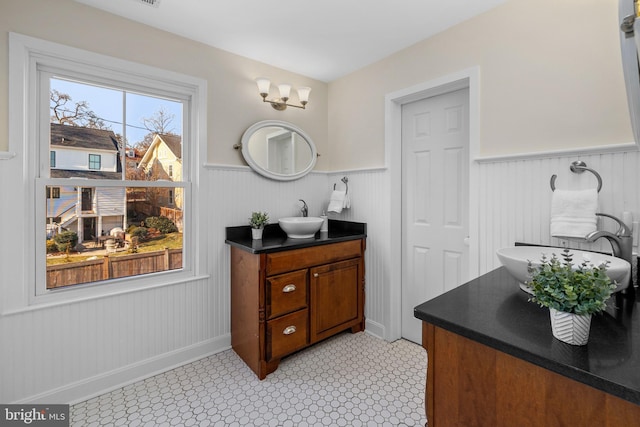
column 257, row 221
column 572, row 294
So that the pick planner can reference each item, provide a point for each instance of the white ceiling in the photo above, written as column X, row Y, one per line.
column 323, row 39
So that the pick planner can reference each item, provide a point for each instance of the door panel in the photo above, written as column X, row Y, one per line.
column 435, row 156
column 422, row 172
column 334, row 297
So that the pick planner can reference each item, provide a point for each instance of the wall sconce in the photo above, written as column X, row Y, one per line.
column 280, row 104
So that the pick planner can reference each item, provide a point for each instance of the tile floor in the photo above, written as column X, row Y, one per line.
column 347, row 380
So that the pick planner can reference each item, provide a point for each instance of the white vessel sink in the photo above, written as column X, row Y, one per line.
column 299, row 227
column 516, row 261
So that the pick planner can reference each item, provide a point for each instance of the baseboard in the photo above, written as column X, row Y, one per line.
column 374, row 328
column 109, row 381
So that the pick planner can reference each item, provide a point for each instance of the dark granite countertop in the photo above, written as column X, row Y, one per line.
column 492, row 310
column 275, row 240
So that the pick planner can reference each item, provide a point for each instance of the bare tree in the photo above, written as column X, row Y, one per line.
column 160, row 122
column 67, row 112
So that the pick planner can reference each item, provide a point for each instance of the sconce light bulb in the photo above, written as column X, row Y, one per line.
column 285, row 91
column 303, row 95
column 263, row 86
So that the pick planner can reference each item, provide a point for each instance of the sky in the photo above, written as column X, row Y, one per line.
column 108, row 105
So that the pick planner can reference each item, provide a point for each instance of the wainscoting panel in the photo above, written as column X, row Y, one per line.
column 68, row 352
column 235, row 193
column 369, row 195
column 71, row 352
column 515, row 199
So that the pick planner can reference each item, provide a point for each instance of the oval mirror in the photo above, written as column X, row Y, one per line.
column 278, row 150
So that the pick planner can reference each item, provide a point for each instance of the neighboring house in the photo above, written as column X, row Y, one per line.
column 163, row 160
column 79, row 152
column 133, row 157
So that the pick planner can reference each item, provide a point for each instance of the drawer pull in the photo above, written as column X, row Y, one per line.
column 315, row 275
column 289, row 288
column 289, row 330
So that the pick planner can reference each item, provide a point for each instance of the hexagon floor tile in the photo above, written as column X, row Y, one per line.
column 346, row 380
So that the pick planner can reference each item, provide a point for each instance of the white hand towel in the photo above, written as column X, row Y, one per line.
column 337, row 201
column 573, row 213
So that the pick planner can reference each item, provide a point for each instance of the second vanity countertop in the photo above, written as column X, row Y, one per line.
column 493, row 311
column 274, row 239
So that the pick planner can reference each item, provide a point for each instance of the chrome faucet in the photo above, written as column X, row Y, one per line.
column 621, row 242
column 304, row 209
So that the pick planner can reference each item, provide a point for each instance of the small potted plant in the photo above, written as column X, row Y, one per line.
column 572, row 294
column 257, row 221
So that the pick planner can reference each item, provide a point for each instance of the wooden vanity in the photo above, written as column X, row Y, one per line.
column 492, row 361
column 287, row 295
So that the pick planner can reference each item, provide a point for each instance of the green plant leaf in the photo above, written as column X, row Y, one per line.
column 563, row 286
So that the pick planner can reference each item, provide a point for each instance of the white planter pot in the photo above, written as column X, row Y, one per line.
column 570, row 328
column 256, row 233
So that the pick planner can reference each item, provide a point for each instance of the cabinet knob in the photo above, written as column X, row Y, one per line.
column 315, row 275
column 289, row 288
column 289, row 330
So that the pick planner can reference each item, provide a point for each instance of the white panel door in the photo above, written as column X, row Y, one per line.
column 435, row 170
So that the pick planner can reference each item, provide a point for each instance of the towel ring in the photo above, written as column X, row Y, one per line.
column 345, row 180
column 578, row 167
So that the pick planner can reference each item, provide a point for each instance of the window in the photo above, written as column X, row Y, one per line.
column 95, row 161
column 171, row 171
column 86, row 199
column 90, row 189
column 86, row 117
column 53, row 192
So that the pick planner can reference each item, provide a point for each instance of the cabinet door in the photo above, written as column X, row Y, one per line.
column 336, row 298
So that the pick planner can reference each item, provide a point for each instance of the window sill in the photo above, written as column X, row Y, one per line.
column 74, row 294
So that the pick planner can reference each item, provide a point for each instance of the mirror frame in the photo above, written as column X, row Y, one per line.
column 630, row 47
column 246, row 136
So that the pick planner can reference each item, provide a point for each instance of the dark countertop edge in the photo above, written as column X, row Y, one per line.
column 551, row 365
column 303, row 243
column 565, row 370
column 275, row 240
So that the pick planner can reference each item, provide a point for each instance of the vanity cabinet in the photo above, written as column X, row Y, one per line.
column 282, row 302
column 493, row 361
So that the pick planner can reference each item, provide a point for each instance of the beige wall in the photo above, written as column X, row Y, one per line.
column 550, row 79
column 233, row 103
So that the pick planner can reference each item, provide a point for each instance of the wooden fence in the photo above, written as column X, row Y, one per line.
column 113, row 267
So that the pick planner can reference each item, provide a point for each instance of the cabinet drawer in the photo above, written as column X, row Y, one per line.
column 281, row 262
column 286, row 293
column 287, row 334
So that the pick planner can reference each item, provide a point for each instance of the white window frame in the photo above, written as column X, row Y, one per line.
column 29, row 60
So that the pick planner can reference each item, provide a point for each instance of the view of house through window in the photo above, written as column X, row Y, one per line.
column 115, row 191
